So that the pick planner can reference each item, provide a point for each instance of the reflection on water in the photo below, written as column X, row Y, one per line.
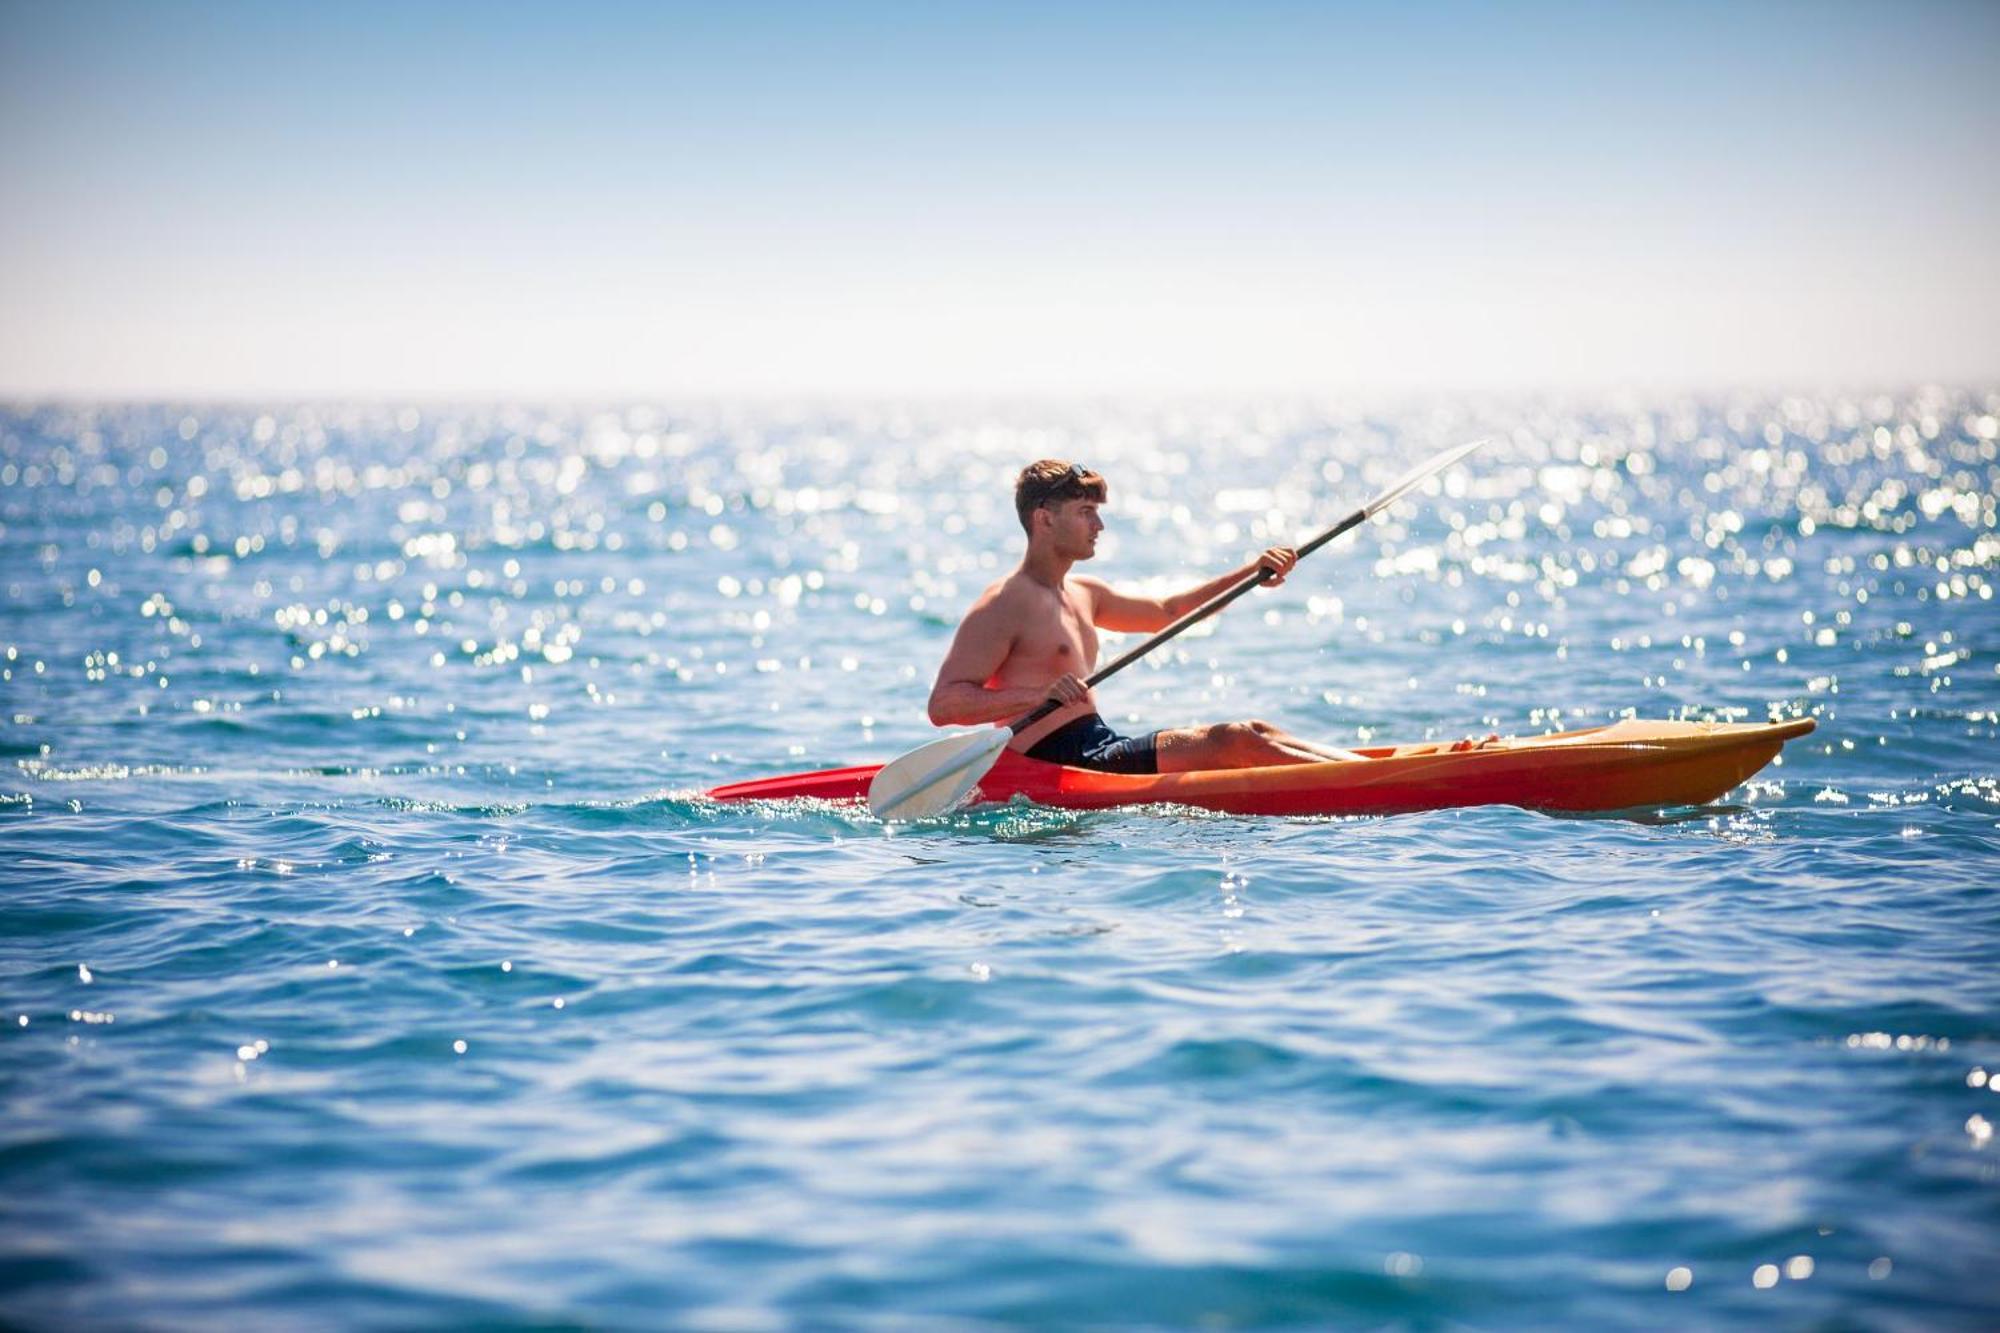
column 350, row 826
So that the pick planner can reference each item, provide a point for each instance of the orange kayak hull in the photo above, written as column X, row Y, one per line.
column 1626, row 765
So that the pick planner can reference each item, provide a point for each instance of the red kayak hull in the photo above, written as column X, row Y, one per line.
column 1624, row 766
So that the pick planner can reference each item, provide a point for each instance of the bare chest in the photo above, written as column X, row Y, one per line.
column 1059, row 639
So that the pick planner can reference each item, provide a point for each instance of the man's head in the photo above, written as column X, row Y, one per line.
column 1060, row 500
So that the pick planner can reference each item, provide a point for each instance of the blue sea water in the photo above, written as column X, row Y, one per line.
column 369, row 956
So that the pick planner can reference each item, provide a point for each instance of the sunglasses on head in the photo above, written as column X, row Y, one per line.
column 1051, row 489
column 1077, row 475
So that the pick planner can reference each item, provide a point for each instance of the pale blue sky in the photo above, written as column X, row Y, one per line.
column 432, row 199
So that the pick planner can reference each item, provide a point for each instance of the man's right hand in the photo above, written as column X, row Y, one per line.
column 1067, row 690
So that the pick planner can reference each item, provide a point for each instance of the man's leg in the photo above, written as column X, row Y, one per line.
column 1251, row 744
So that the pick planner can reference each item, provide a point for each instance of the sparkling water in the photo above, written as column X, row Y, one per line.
column 369, row 955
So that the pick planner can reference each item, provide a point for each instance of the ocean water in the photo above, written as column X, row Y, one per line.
column 370, row 958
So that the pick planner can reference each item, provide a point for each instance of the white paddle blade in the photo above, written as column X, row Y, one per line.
column 935, row 779
column 1419, row 473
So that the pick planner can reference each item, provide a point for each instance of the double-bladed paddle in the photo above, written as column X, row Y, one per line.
column 934, row 779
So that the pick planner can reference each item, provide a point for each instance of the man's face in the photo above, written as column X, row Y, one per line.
column 1074, row 524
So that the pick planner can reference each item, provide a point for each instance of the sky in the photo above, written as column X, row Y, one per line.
column 579, row 201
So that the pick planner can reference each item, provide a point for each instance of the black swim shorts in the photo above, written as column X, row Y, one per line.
column 1089, row 743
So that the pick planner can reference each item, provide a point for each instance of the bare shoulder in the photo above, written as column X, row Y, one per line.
column 1008, row 596
column 1000, row 606
column 1101, row 600
column 984, row 639
column 1094, row 589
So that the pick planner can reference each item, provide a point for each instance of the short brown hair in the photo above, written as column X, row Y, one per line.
column 1051, row 481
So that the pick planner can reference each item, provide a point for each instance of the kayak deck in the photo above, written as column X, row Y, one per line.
column 1622, row 766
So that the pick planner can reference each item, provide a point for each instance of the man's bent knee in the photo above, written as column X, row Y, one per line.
column 1249, row 741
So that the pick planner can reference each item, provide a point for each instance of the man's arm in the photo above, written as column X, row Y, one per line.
column 1124, row 613
column 961, row 696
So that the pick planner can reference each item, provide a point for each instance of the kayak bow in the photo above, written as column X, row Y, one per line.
column 1625, row 765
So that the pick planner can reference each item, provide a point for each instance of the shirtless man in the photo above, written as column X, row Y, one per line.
column 1033, row 636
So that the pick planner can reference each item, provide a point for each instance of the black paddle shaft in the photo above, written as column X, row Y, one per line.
column 1194, row 617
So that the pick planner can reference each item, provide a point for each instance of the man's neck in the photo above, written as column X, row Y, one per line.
column 1046, row 567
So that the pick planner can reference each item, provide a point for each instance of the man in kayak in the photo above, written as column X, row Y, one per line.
column 1033, row 636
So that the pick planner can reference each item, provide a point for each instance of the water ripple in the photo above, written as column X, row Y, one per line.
column 368, row 953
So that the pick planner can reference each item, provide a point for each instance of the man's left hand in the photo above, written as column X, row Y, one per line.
column 1279, row 560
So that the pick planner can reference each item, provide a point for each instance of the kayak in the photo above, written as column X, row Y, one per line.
column 1622, row 766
